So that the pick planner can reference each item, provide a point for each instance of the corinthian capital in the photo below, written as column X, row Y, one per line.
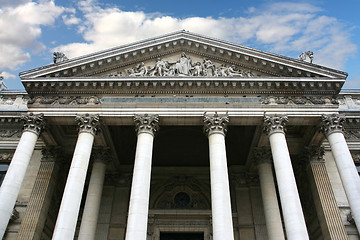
column 313, row 154
column 33, row 122
column 262, row 155
column 275, row 123
column 215, row 123
column 331, row 123
column 146, row 123
column 88, row 123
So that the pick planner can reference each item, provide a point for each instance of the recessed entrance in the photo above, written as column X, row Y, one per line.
column 181, row 236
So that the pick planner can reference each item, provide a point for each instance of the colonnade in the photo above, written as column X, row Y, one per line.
column 215, row 128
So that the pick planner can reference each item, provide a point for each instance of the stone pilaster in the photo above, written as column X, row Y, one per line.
column 327, row 210
column 268, row 191
column 146, row 127
column 215, row 127
column 70, row 203
column 331, row 126
column 9, row 191
column 40, row 199
column 274, row 126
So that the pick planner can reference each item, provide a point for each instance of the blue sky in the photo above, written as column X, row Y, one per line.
column 32, row 30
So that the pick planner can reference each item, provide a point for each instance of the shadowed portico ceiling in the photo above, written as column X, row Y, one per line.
column 110, row 62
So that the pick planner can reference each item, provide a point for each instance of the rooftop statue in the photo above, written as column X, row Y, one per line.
column 2, row 84
column 306, row 56
column 59, row 57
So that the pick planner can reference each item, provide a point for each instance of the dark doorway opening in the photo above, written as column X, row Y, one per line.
column 181, row 236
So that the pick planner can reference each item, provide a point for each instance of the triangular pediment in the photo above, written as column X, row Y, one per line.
column 202, row 57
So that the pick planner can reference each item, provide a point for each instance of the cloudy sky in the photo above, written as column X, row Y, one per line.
column 31, row 30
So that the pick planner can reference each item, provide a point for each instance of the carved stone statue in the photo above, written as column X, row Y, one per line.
column 306, row 56
column 2, row 84
column 59, row 57
column 160, row 69
column 183, row 66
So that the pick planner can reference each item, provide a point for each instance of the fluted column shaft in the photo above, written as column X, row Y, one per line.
column 93, row 198
column 271, row 206
column 292, row 211
column 332, row 128
column 328, row 212
column 215, row 128
column 15, row 174
column 70, row 203
column 146, row 127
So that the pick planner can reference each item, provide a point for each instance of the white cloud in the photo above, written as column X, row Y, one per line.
column 21, row 27
column 284, row 28
column 7, row 75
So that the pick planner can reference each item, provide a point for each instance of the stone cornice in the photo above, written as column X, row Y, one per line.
column 184, row 84
column 183, row 40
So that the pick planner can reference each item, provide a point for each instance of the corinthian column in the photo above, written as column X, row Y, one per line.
column 268, row 192
column 146, row 127
column 10, row 187
column 70, row 203
column 93, row 197
column 215, row 128
column 290, row 202
column 332, row 128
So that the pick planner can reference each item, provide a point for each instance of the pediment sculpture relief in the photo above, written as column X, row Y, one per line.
column 184, row 66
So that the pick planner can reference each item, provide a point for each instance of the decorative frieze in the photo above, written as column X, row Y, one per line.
column 146, row 123
column 33, row 122
column 275, row 123
column 88, row 123
column 301, row 100
column 64, row 100
column 8, row 133
column 331, row 123
column 215, row 123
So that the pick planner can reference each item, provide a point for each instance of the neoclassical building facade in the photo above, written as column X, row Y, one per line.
column 178, row 137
